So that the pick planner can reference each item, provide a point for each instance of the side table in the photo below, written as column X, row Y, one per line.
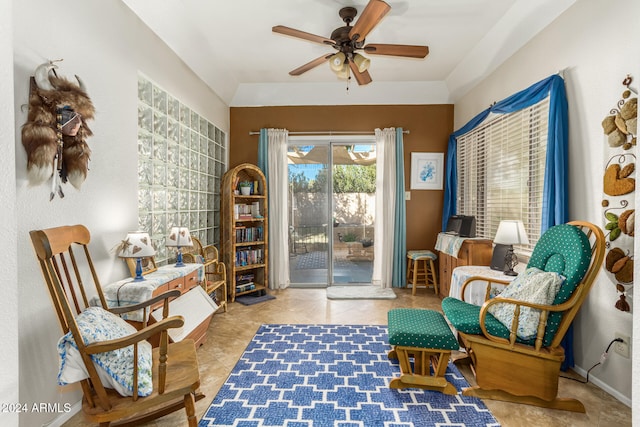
column 476, row 291
column 194, row 305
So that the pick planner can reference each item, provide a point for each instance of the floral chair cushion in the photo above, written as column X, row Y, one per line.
column 115, row 368
column 535, row 286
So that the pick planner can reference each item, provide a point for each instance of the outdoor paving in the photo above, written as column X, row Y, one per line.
column 311, row 268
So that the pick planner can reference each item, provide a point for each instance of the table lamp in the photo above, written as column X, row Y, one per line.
column 137, row 245
column 511, row 232
column 179, row 237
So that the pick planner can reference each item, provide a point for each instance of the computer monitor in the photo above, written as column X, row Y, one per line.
column 462, row 225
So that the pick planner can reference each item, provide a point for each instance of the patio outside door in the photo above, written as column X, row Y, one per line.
column 331, row 213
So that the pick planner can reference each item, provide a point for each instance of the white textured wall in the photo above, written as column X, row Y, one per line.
column 106, row 45
column 598, row 46
column 9, row 312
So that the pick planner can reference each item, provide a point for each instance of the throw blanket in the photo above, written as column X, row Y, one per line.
column 534, row 286
column 128, row 292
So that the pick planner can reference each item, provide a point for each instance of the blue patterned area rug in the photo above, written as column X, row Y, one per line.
column 332, row 375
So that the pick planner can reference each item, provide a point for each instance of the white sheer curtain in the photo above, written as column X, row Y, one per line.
column 385, row 207
column 278, row 218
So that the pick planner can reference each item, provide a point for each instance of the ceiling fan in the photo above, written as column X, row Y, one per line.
column 348, row 40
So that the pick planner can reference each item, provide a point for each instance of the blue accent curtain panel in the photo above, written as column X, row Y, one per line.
column 332, row 375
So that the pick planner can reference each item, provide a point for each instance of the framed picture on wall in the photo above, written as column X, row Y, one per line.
column 427, row 171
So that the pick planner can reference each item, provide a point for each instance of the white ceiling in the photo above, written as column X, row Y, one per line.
column 230, row 45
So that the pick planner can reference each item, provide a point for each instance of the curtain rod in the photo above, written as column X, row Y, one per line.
column 329, row 132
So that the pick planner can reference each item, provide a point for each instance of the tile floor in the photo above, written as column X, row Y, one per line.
column 230, row 332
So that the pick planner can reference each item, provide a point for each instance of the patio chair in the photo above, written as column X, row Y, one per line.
column 508, row 364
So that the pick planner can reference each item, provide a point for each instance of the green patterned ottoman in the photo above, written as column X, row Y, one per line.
column 424, row 336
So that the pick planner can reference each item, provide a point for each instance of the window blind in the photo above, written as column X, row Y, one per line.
column 501, row 171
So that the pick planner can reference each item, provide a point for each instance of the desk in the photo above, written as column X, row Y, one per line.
column 457, row 251
column 476, row 290
column 165, row 278
column 194, row 304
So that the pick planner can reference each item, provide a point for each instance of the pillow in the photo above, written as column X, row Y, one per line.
column 115, row 368
column 535, row 286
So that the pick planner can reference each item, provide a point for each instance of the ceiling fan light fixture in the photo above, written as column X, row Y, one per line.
column 337, row 62
column 344, row 72
column 361, row 62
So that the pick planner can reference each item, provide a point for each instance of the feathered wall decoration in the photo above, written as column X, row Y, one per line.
column 56, row 130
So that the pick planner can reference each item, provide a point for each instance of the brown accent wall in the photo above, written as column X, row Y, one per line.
column 429, row 127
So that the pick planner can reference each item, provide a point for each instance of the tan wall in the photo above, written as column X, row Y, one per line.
column 429, row 126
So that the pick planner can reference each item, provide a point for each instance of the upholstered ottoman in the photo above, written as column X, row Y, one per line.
column 425, row 336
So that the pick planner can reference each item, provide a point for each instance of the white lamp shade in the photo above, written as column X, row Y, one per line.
column 136, row 245
column 337, row 61
column 362, row 62
column 180, row 237
column 511, row 232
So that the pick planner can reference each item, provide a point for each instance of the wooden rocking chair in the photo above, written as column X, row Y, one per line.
column 174, row 366
column 509, row 368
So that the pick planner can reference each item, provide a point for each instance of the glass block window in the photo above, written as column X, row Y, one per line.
column 181, row 159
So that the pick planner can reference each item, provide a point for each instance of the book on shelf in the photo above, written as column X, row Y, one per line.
column 241, row 279
column 246, row 287
column 249, row 234
column 214, row 296
column 248, row 256
column 242, row 211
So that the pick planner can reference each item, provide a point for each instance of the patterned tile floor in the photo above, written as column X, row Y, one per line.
column 229, row 334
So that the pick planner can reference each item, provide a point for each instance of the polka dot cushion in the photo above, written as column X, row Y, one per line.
column 414, row 327
column 465, row 318
column 563, row 249
column 421, row 254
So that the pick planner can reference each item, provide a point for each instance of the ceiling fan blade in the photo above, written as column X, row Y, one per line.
column 362, row 78
column 302, row 35
column 371, row 15
column 411, row 51
column 309, row 65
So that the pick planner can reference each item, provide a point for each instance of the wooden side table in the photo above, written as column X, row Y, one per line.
column 194, row 305
column 457, row 251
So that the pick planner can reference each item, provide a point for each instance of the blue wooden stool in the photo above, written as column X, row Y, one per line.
column 421, row 270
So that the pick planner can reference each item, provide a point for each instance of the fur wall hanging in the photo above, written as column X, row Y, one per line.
column 56, row 130
column 620, row 128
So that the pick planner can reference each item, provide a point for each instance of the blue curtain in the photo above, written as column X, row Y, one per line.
column 400, row 226
column 451, row 169
column 555, row 199
column 263, row 150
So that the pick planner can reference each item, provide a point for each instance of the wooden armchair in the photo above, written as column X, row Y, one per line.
column 508, row 367
column 172, row 367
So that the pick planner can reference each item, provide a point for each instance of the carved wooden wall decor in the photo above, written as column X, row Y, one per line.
column 620, row 128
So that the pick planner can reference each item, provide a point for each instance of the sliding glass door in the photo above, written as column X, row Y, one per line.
column 309, row 207
column 331, row 212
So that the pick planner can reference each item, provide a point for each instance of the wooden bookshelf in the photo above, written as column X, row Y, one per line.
column 245, row 231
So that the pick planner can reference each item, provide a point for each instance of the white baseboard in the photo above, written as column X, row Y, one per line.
column 66, row 416
column 604, row 386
